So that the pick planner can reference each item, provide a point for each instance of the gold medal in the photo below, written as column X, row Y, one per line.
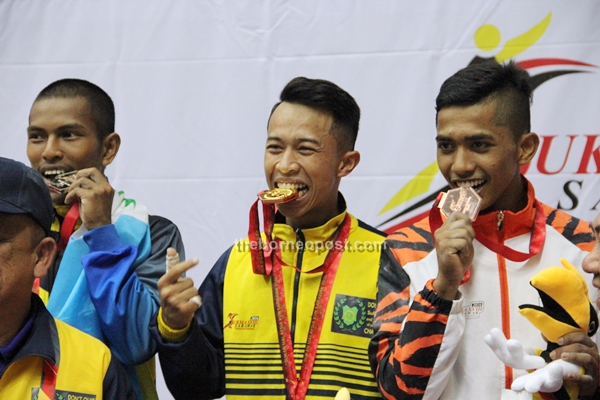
column 464, row 200
column 278, row 195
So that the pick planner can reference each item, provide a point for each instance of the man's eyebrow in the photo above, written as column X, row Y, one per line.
column 479, row 136
column 297, row 141
column 310, row 140
column 595, row 229
column 71, row 126
column 62, row 127
column 469, row 138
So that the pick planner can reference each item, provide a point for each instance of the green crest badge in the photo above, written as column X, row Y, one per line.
column 350, row 315
column 353, row 315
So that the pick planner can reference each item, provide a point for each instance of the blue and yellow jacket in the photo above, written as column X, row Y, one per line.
column 123, row 290
column 84, row 366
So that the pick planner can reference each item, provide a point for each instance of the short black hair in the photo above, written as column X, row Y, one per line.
column 99, row 102
column 327, row 97
column 508, row 85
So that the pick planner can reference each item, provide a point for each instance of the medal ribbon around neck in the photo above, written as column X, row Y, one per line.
column 261, row 255
column 269, row 262
column 68, row 225
column 538, row 235
column 49, row 373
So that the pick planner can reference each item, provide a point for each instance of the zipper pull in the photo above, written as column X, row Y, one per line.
column 500, row 219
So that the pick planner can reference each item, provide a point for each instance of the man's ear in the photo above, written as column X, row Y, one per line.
column 528, row 145
column 349, row 161
column 44, row 254
column 110, row 148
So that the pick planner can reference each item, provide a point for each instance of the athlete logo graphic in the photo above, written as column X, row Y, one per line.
column 487, row 38
column 231, row 317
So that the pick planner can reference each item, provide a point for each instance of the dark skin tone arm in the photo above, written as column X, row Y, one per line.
column 177, row 293
column 95, row 196
column 580, row 349
column 454, row 248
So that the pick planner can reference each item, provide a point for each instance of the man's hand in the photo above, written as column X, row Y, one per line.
column 454, row 247
column 580, row 349
column 178, row 296
column 95, row 196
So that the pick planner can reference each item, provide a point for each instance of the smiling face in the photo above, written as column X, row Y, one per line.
column 301, row 153
column 474, row 151
column 62, row 137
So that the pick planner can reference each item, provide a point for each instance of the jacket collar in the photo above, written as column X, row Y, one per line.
column 514, row 223
column 313, row 241
column 43, row 339
column 320, row 233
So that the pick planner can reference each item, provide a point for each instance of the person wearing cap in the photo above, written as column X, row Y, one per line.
column 316, row 284
column 111, row 251
column 41, row 357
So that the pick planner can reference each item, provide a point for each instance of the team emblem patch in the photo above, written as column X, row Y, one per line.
column 473, row 310
column 63, row 395
column 353, row 315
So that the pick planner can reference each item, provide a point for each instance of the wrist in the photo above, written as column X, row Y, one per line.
column 445, row 289
column 168, row 333
column 97, row 223
column 595, row 395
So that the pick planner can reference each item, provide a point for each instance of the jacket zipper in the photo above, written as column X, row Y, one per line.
column 505, row 301
column 500, row 223
column 300, row 239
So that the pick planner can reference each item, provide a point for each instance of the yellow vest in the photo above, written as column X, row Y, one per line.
column 82, row 366
column 252, row 356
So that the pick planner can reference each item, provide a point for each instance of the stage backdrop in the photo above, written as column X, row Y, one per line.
column 194, row 81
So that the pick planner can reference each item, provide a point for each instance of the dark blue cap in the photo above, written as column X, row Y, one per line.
column 23, row 191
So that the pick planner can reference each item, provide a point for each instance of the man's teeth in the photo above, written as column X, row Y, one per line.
column 468, row 184
column 294, row 186
column 54, row 172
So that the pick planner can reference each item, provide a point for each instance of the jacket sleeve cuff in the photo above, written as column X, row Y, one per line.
column 104, row 238
column 445, row 306
column 169, row 334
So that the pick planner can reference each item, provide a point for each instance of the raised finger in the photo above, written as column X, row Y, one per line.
column 175, row 272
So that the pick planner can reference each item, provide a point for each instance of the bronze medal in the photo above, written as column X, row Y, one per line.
column 278, row 195
column 464, row 200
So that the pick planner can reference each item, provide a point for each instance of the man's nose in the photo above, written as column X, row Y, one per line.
column 288, row 162
column 52, row 149
column 591, row 262
column 462, row 164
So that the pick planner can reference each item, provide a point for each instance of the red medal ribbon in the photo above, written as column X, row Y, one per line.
column 261, row 253
column 49, row 372
column 68, row 225
column 538, row 235
column 296, row 388
column 269, row 262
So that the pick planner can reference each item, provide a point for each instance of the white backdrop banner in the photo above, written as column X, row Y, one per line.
column 194, row 81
